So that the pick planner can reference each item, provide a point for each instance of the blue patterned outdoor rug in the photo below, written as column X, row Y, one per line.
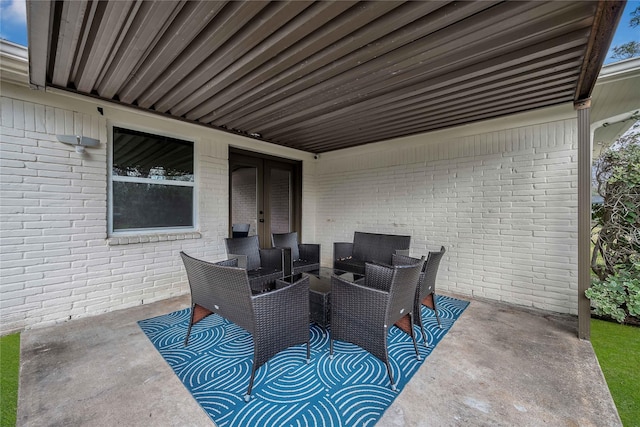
column 350, row 390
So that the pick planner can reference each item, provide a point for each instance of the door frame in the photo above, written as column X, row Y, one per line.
column 264, row 163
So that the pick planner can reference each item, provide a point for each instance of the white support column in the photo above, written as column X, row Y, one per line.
column 584, row 217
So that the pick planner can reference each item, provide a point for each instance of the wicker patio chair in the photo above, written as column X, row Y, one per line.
column 304, row 256
column 362, row 313
column 368, row 247
column 263, row 266
column 276, row 320
column 426, row 290
column 240, row 230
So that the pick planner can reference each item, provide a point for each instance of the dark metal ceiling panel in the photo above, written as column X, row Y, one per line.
column 288, row 66
column 320, row 76
column 354, row 56
column 146, row 26
column 264, row 35
column 499, row 70
column 67, row 42
column 211, row 42
column 442, row 108
column 190, row 22
column 111, row 22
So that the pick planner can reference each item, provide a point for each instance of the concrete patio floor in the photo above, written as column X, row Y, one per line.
column 498, row 366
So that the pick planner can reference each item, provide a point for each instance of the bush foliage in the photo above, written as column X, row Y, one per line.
column 615, row 259
column 618, row 296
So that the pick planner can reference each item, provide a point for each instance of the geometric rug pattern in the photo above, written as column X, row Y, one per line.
column 352, row 389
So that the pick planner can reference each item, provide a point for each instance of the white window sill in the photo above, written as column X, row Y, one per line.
column 152, row 238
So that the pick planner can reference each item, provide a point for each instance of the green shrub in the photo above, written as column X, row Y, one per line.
column 616, row 231
column 617, row 296
column 615, row 257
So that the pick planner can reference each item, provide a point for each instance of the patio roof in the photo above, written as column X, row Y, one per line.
column 321, row 76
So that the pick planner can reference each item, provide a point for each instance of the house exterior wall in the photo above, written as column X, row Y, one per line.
column 57, row 261
column 500, row 196
column 502, row 200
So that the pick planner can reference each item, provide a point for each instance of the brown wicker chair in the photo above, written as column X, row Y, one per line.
column 263, row 266
column 304, row 256
column 426, row 290
column 362, row 313
column 276, row 320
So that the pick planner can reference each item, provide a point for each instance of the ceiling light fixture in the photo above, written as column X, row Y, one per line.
column 80, row 142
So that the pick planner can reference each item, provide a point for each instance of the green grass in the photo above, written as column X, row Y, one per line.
column 9, row 376
column 617, row 348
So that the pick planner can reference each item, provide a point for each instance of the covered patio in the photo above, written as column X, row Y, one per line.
column 465, row 125
column 341, row 83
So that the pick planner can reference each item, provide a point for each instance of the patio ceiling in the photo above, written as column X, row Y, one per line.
column 321, row 76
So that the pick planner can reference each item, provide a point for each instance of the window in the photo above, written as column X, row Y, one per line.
column 152, row 182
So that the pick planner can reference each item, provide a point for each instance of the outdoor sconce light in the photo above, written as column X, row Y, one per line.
column 80, row 142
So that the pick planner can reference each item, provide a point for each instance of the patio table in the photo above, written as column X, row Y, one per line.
column 319, row 291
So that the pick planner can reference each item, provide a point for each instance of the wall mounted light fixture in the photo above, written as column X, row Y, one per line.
column 80, row 142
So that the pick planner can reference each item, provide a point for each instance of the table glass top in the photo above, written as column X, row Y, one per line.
column 320, row 280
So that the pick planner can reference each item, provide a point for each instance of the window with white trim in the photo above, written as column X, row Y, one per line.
column 152, row 182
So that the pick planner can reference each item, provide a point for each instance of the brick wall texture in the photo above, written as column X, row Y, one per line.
column 56, row 262
column 504, row 204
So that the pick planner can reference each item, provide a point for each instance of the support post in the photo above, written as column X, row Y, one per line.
column 583, row 109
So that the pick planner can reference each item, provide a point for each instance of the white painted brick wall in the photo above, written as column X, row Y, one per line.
column 504, row 204
column 56, row 262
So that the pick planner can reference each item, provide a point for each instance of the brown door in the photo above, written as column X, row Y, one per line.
column 264, row 194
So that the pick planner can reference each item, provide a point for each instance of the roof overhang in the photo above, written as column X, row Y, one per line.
column 616, row 105
column 321, row 76
column 13, row 63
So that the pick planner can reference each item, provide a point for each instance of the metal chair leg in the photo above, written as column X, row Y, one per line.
column 247, row 397
column 419, row 322
column 330, row 347
column 193, row 311
column 393, row 385
column 435, row 308
column 413, row 336
column 424, row 336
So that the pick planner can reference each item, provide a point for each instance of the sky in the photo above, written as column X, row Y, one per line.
column 13, row 24
column 13, row 21
column 624, row 33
